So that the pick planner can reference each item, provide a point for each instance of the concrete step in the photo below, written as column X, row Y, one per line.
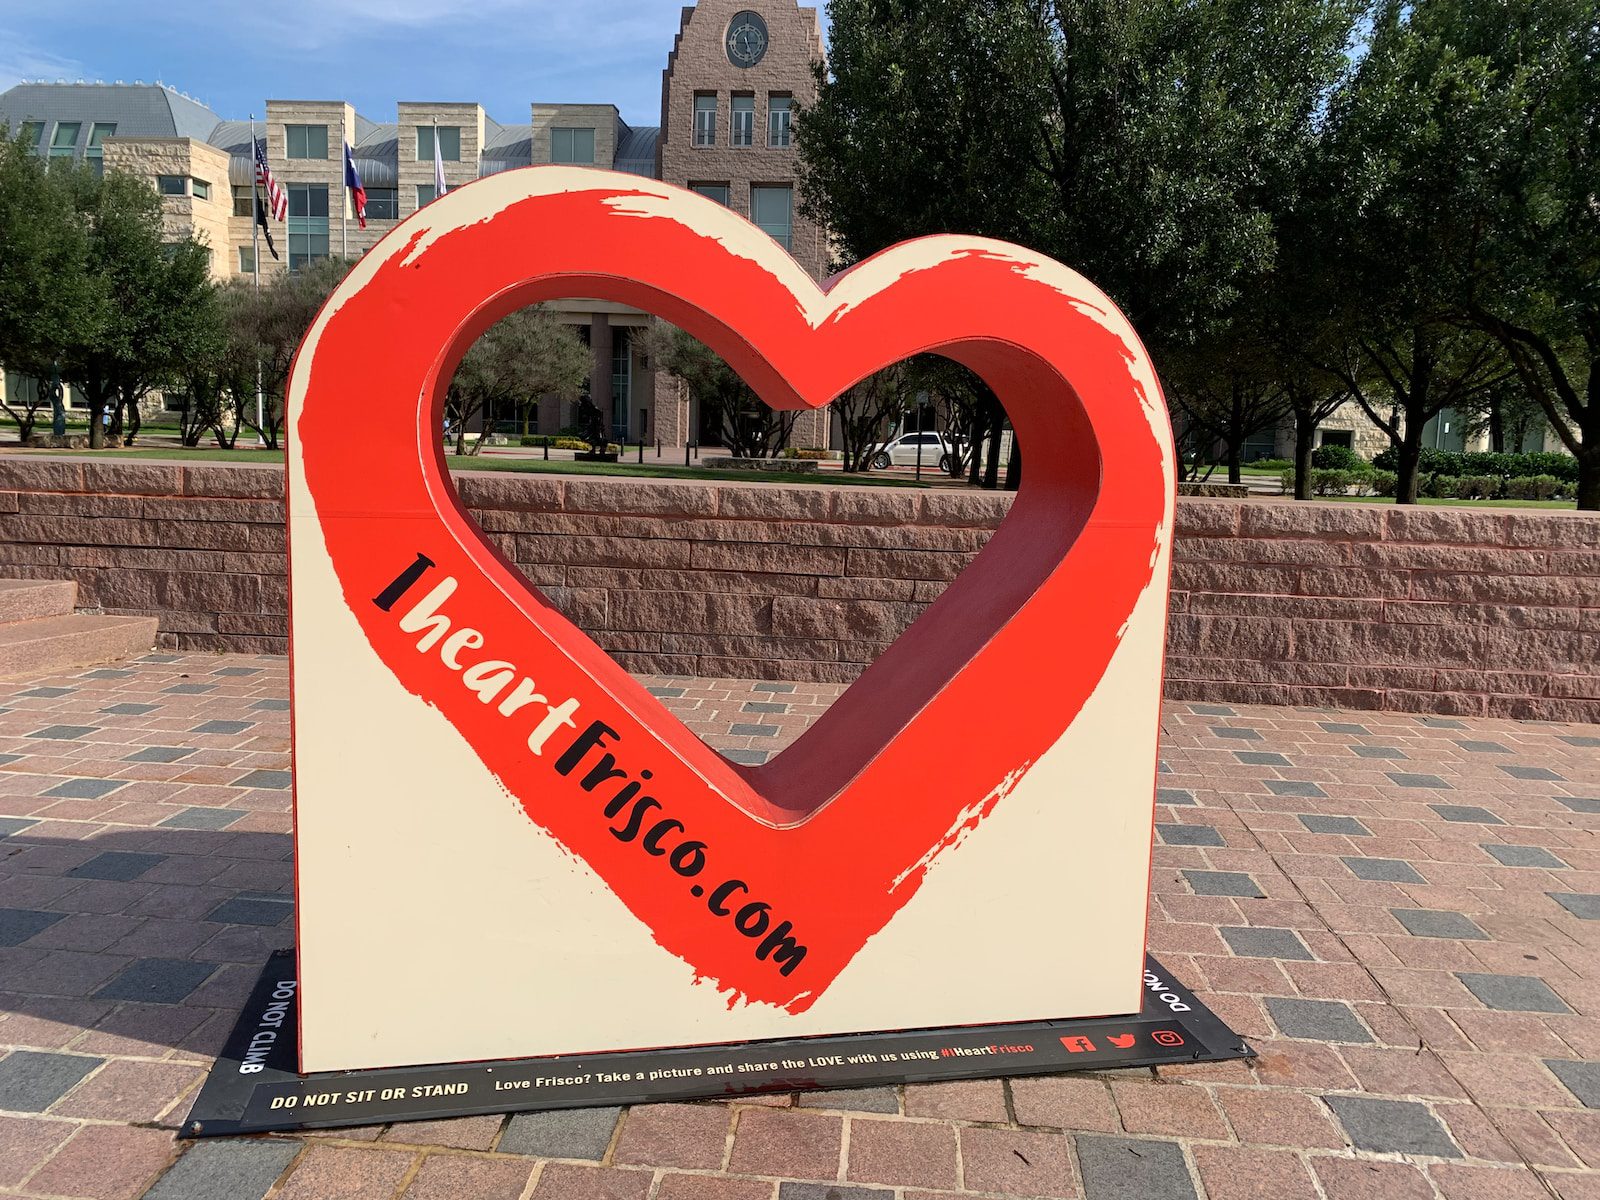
column 25, row 599
column 52, row 643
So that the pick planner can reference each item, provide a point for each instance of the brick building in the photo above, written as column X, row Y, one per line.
column 734, row 75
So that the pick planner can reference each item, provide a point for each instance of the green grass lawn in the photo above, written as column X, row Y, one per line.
column 1441, row 503
column 532, row 466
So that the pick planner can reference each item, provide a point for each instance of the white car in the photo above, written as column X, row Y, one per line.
column 903, row 451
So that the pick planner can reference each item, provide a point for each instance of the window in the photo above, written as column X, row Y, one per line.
column 715, row 191
column 98, row 132
column 247, row 260
column 65, row 140
column 778, row 113
column 172, row 185
column 772, row 208
column 33, row 132
column 243, row 206
column 174, row 402
column 449, row 142
column 425, row 195
column 572, row 145
column 705, row 120
column 308, row 223
column 306, row 141
column 744, row 120
column 1339, row 437
column 383, row 204
column 200, row 189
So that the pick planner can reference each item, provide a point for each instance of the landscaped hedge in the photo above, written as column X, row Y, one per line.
column 1484, row 463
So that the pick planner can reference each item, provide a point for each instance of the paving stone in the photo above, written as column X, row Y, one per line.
column 759, row 706
column 1466, row 814
column 897, row 1153
column 750, row 758
column 1190, row 835
column 830, row 1191
column 1379, row 752
column 1524, row 856
column 767, row 686
column 346, row 1173
column 1174, row 796
column 1236, row 733
column 203, row 818
column 271, row 706
column 130, row 710
column 1125, row 1168
column 457, row 1177
column 747, row 730
column 691, row 1136
column 1434, row 923
column 159, row 754
column 33, row 1080
column 1317, row 1020
column 1578, row 804
column 1295, row 787
column 240, row 911
column 237, row 671
column 1513, row 993
column 1580, row 740
column 222, row 727
column 1016, row 1162
column 1539, row 773
column 105, row 1161
column 1582, row 1079
column 579, row 1133
column 1484, row 747
column 106, row 673
column 157, row 658
column 1223, row 883
column 787, row 1143
column 47, row 693
column 17, row 925
column 1441, row 723
column 1211, row 710
column 9, row 758
column 1411, row 780
column 277, row 780
column 1349, row 826
column 189, row 689
column 86, row 789
column 666, row 693
column 10, row 825
column 157, row 980
column 121, row 865
column 1382, row 870
column 1254, row 941
column 225, row 1170
column 873, row 1100
column 1261, row 758
column 1344, row 727
column 1583, row 906
column 1392, row 1126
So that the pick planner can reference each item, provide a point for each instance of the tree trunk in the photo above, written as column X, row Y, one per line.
column 1305, row 432
column 1014, row 465
column 1235, row 459
column 1409, row 454
column 991, row 466
column 1589, row 479
column 1497, row 428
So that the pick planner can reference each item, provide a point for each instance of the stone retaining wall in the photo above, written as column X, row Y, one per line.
column 1465, row 611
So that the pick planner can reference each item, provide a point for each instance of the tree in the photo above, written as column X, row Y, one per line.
column 1398, row 245
column 1229, row 388
column 745, row 425
column 221, row 371
column 47, row 297
column 274, row 318
column 520, row 358
column 866, row 413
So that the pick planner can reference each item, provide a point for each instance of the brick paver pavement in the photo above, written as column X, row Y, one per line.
column 1402, row 913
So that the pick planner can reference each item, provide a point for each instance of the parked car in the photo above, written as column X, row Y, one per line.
column 935, row 449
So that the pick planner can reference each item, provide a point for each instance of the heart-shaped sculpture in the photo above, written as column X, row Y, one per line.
column 497, row 822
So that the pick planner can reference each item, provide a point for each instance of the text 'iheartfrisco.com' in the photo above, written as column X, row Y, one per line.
column 640, row 818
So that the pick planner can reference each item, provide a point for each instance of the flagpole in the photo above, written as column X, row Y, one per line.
column 255, row 262
column 344, row 208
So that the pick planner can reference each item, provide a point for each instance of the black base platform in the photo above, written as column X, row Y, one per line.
column 254, row 1087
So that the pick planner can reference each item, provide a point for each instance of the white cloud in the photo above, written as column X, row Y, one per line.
column 20, row 59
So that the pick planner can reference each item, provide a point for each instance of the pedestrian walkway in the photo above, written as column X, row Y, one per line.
column 1401, row 913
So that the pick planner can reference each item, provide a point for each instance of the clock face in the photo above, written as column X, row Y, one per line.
column 747, row 39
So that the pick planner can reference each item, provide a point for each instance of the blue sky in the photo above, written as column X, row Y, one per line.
column 233, row 56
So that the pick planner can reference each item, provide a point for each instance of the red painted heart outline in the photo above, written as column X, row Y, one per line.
column 836, row 833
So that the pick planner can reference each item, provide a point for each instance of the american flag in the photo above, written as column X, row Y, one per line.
column 277, row 202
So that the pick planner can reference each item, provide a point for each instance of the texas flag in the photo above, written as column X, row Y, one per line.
column 352, row 180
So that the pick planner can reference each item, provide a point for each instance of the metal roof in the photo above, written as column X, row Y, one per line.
column 636, row 148
column 136, row 109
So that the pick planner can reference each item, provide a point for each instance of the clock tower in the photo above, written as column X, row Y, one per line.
column 738, row 72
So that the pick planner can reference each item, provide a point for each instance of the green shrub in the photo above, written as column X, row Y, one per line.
column 1384, row 483
column 1338, row 458
column 1270, row 464
column 1441, row 487
column 529, row 439
column 1286, row 482
column 806, row 452
column 1331, row 483
column 1478, row 487
column 1482, row 462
